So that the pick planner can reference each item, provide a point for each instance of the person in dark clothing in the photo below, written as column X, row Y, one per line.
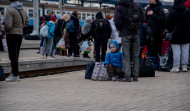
column 130, row 37
column 73, row 36
column 59, row 27
column 155, row 19
column 101, row 32
column 178, row 22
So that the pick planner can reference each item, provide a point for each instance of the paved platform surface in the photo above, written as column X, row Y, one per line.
column 70, row 92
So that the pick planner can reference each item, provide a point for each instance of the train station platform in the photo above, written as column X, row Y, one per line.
column 71, row 92
column 30, row 64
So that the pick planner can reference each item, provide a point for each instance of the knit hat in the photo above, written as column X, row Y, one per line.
column 42, row 18
column 113, row 45
column 187, row 3
column 53, row 19
column 58, row 16
column 88, row 18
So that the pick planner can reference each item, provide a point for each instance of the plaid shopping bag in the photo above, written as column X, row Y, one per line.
column 99, row 72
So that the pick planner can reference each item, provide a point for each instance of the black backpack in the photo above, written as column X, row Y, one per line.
column 100, row 26
column 133, row 18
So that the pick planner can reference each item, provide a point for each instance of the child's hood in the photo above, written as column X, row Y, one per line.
column 114, row 42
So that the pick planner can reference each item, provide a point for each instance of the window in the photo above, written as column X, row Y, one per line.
column 88, row 15
column 79, row 16
column 30, row 13
column 83, row 16
column 93, row 16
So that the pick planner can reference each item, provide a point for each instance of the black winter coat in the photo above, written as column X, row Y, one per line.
column 76, row 24
column 106, row 34
column 156, row 21
column 179, row 17
column 59, row 26
column 119, row 17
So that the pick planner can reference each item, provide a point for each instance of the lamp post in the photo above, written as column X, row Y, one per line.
column 36, row 18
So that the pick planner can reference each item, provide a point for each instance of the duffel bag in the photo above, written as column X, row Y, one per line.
column 147, row 69
column 89, row 70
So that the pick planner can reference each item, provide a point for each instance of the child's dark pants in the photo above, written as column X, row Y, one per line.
column 113, row 71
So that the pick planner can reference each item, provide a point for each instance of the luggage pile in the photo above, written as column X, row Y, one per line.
column 96, row 71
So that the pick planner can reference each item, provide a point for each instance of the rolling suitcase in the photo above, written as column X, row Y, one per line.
column 89, row 70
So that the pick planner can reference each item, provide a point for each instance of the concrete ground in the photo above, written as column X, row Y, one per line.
column 71, row 92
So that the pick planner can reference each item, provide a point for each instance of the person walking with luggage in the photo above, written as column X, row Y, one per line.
column 128, row 24
column 178, row 23
column 48, row 41
column 86, row 33
column 101, row 32
column 15, row 20
column 114, row 62
column 155, row 19
column 72, row 28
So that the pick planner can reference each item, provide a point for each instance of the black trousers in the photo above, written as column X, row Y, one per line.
column 14, row 42
column 100, row 42
column 73, row 44
column 156, row 48
column 1, row 43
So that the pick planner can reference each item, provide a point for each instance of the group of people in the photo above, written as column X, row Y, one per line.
column 123, row 28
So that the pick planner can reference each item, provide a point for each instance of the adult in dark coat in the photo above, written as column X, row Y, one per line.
column 101, row 37
column 59, row 27
column 73, row 36
column 155, row 19
column 130, row 38
column 178, row 21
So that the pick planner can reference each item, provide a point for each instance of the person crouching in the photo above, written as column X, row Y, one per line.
column 114, row 62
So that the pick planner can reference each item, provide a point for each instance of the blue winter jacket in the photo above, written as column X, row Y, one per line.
column 51, row 26
column 114, row 58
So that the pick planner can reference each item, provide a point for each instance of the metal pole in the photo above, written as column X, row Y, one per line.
column 35, row 18
column 61, row 7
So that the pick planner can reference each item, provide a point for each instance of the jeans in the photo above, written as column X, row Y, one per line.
column 48, row 44
column 42, row 41
column 14, row 42
column 100, row 43
column 130, row 47
column 180, row 54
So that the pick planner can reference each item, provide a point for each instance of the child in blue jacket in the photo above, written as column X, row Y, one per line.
column 114, row 62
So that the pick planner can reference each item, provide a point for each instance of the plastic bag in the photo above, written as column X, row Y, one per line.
column 61, row 44
column 166, row 61
column 86, row 48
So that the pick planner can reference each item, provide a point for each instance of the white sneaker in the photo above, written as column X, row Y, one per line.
column 113, row 78
column 184, row 68
column 175, row 69
column 10, row 75
column 49, row 57
column 42, row 57
column 12, row 79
